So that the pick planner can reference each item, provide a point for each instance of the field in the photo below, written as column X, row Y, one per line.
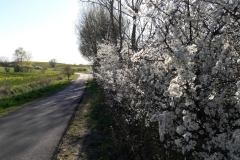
column 13, row 79
column 19, row 88
column 58, row 65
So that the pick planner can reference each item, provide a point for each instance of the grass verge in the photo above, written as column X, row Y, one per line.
column 16, row 102
column 89, row 136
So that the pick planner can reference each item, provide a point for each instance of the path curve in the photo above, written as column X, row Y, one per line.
column 33, row 132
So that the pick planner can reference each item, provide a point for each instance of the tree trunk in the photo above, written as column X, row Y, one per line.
column 133, row 38
column 120, row 24
column 114, row 37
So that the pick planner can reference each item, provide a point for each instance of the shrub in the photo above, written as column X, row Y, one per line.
column 27, row 68
column 184, row 83
column 68, row 71
column 17, row 68
column 7, row 69
column 43, row 70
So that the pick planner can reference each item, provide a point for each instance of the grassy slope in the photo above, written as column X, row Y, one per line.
column 33, row 71
column 13, row 79
column 59, row 65
column 2, row 69
column 18, row 101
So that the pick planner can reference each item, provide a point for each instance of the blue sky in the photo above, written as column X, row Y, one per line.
column 43, row 27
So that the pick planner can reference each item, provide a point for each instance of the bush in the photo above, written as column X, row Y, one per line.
column 189, row 94
column 73, row 71
column 80, row 69
column 184, row 84
column 68, row 71
column 43, row 70
column 17, row 68
column 27, row 68
column 7, row 69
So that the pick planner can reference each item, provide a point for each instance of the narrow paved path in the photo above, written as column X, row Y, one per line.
column 33, row 132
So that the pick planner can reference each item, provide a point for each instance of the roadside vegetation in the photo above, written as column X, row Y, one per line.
column 17, row 89
column 57, row 65
column 169, row 71
column 90, row 134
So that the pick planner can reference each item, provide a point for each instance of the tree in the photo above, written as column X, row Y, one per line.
column 52, row 63
column 68, row 71
column 21, row 58
column 100, row 23
column 126, row 13
column 92, row 29
column 7, row 69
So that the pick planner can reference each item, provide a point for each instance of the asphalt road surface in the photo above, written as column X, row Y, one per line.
column 33, row 132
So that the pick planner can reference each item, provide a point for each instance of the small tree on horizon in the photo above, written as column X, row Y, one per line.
column 52, row 63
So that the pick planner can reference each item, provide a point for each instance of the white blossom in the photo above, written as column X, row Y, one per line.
column 184, row 78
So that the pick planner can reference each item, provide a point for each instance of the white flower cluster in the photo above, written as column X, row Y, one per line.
column 187, row 80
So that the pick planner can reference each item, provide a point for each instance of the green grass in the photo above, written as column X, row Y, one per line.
column 89, row 135
column 99, row 123
column 15, row 102
column 33, row 70
column 1, row 69
column 12, row 79
column 19, row 88
column 14, row 83
column 59, row 67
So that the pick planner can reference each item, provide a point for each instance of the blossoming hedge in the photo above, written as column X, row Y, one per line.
column 185, row 77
